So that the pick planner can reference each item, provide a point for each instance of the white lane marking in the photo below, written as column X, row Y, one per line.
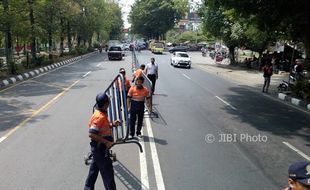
column 3, row 138
column 143, row 167
column 226, row 103
column 186, row 76
column 86, row 74
column 298, row 151
column 98, row 65
column 156, row 164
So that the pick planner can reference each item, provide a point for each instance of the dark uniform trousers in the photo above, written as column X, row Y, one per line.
column 152, row 78
column 101, row 163
column 136, row 110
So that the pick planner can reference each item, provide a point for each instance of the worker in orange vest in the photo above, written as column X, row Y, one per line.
column 138, row 72
column 100, row 133
column 135, row 101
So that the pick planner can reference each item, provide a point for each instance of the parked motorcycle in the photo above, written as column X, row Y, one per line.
column 285, row 85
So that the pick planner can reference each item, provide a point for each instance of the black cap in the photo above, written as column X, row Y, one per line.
column 101, row 98
column 122, row 70
column 300, row 171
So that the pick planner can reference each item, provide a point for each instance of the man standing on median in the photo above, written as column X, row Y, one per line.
column 135, row 101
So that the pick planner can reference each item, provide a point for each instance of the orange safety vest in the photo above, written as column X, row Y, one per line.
column 99, row 122
column 138, row 95
column 120, row 85
column 138, row 73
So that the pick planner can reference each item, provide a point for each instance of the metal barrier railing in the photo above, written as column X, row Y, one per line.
column 118, row 110
column 147, row 82
column 135, row 65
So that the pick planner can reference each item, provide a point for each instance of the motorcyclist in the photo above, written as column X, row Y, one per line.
column 299, row 69
column 204, row 51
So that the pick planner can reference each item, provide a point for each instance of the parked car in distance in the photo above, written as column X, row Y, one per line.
column 178, row 48
column 115, row 52
column 180, row 59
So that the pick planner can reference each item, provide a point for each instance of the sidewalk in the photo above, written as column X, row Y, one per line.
column 37, row 71
column 243, row 76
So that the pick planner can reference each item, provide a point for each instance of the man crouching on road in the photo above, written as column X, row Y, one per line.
column 135, row 102
column 100, row 133
column 299, row 176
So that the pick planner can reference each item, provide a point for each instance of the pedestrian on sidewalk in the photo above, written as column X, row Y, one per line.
column 299, row 176
column 152, row 73
column 138, row 72
column 100, row 133
column 267, row 69
column 135, row 101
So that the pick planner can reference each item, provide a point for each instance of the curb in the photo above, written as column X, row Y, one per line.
column 294, row 101
column 33, row 73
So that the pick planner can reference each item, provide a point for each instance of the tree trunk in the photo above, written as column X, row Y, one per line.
column 50, row 44
column 232, row 54
column 78, row 40
column 8, row 39
column 69, row 36
column 50, row 36
column 307, row 50
column 90, row 42
column 260, row 56
column 62, row 38
column 32, row 24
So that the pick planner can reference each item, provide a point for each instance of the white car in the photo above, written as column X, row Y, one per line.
column 180, row 59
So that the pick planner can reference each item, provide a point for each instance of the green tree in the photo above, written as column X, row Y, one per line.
column 53, row 22
column 219, row 23
column 153, row 18
column 8, row 36
column 288, row 19
column 233, row 28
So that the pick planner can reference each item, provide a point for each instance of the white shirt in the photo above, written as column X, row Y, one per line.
column 151, row 69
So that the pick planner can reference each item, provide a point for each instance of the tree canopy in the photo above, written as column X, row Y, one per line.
column 153, row 18
column 52, row 22
column 261, row 21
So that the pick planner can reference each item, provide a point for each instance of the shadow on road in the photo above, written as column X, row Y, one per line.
column 268, row 115
column 156, row 140
column 19, row 102
column 128, row 179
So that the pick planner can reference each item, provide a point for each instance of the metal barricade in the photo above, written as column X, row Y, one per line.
column 147, row 82
column 118, row 110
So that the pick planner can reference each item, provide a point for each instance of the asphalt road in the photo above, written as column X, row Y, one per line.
column 197, row 109
column 43, row 131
